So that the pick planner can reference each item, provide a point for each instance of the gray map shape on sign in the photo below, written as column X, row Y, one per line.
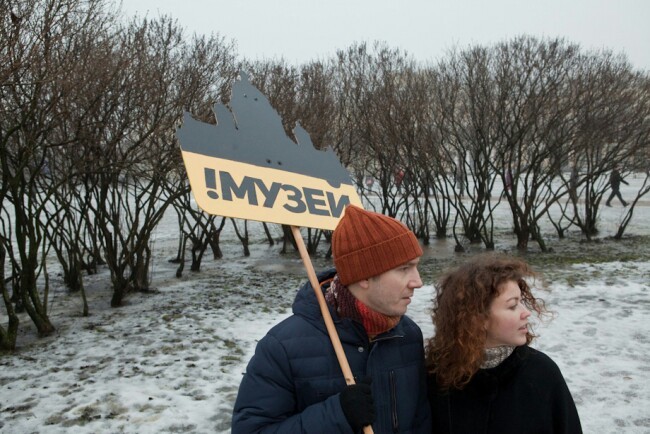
column 251, row 132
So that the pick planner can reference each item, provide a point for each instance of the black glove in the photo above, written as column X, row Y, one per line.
column 357, row 404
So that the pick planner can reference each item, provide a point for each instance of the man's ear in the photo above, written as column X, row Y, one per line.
column 365, row 283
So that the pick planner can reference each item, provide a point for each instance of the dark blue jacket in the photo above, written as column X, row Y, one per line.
column 292, row 383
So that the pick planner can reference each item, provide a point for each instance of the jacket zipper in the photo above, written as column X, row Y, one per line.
column 393, row 399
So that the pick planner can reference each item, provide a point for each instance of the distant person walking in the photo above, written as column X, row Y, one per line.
column 509, row 179
column 507, row 182
column 460, row 182
column 573, row 184
column 615, row 180
column 399, row 178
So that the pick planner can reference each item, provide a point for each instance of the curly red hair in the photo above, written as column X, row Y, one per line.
column 462, row 306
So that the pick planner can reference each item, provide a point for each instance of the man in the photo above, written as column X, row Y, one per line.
column 615, row 180
column 294, row 384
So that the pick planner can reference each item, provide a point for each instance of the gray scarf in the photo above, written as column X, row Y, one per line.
column 494, row 356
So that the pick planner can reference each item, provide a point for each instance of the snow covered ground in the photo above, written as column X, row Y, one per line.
column 170, row 361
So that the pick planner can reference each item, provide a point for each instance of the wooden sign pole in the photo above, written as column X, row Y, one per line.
column 334, row 336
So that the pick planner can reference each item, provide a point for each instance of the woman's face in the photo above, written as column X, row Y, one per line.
column 508, row 318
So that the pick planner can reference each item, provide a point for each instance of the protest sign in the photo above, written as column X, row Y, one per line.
column 246, row 166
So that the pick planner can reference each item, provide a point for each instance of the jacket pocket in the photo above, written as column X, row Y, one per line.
column 393, row 402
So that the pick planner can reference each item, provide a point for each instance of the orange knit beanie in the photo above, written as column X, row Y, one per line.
column 366, row 244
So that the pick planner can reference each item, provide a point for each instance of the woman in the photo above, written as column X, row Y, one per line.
column 483, row 376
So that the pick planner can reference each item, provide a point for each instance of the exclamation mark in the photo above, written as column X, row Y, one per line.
column 211, row 183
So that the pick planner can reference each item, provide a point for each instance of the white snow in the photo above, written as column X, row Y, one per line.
column 171, row 360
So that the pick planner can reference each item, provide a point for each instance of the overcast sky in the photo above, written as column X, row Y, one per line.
column 303, row 30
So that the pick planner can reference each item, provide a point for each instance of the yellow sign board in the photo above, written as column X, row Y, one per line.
column 247, row 167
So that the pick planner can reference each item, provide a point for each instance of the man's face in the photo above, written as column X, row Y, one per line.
column 390, row 293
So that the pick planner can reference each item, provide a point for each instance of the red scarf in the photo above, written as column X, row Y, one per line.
column 347, row 306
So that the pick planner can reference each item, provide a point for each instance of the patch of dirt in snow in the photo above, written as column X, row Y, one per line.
column 151, row 363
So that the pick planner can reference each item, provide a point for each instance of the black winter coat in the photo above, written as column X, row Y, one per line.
column 526, row 394
column 615, row 180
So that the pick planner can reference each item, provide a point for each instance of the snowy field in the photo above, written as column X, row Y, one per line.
column 170, row 361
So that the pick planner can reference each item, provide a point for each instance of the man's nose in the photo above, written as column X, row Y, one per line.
column 416, row 281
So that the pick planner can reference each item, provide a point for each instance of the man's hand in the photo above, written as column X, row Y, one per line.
column 358, row 405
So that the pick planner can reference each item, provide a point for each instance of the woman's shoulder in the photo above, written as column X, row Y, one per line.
column 536, row 360
column 526, row 352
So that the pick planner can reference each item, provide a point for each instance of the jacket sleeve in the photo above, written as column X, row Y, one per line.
column 423, row 423
column 564, row 414
column 266, row 402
